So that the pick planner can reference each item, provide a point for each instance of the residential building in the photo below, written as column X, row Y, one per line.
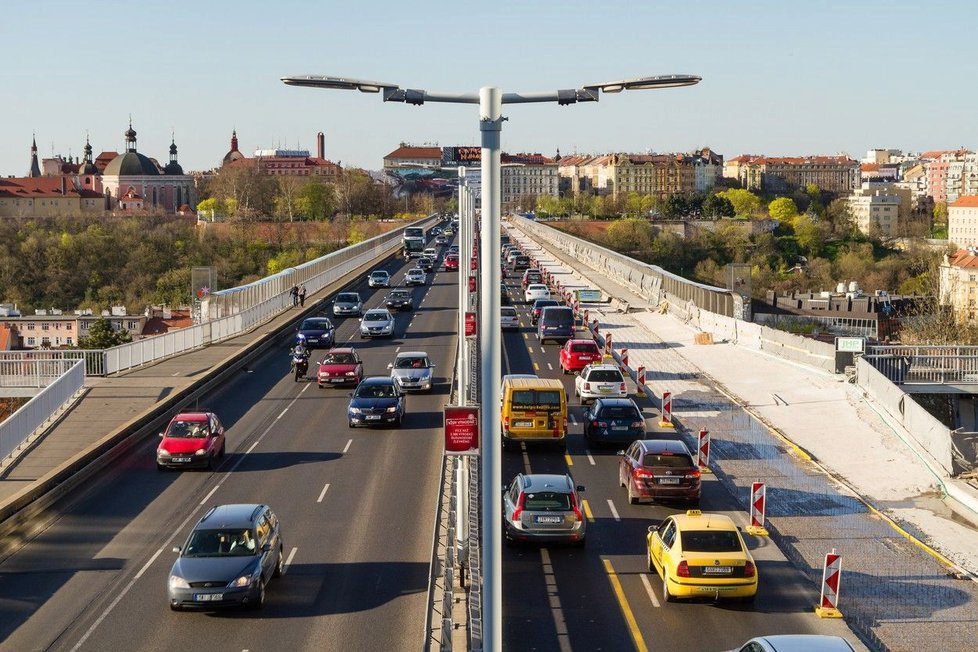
column 880, row 208
column 413, row 156
column 959, row 284
column 53, row 329
column 962, row 222
column 659, row 175
column 780, row 175
column 9, row 337
column 47, row 197
column 523, row 180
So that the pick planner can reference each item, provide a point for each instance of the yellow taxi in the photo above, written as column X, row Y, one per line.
column 701, row 556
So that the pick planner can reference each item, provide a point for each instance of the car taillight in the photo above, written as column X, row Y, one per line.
column 749, row 569
column 622, row 387
column 577, row 510
column 637, row 424
column 682, row 570
column 600, row 424
column 642, row 473
column 693, row 474
column 519, row 506
column 587, row 385
column 506, row 423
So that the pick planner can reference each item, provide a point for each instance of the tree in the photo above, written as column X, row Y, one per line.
column 783, row 209
column 940, row 217
column 286, row 199
column 745, row 202
column 101, row 336
column 629, row 234
column 810, row 237
column 316, row 200
column 717, row 206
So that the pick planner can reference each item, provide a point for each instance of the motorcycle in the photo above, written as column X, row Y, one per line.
column 300, row 365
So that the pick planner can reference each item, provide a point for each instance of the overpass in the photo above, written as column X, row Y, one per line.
column 177, row 375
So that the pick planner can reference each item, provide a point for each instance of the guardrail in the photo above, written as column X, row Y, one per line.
column 931, row 364
column 43, row 407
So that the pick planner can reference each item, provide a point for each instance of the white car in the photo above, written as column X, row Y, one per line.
column 412, row 371
column 508, row 319
column 379, row 279
column 430, row 251
column 415, row 276
column 599, row 381
column 377, row 322
column 796, row 643
column 536, row 291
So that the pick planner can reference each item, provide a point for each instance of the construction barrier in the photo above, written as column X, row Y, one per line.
column 624, row 359
column 758, row 499
column 703, row 451
column 607, row 344
column 639, row 380
column 666, row 420
column 596, row 326
column 831, row 581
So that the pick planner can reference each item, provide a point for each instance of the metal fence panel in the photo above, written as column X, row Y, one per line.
column 17, row 428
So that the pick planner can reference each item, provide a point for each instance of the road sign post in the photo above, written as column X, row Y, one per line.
column 831, row 583
column 703, row 451
column 758, row 500
column 666, row 420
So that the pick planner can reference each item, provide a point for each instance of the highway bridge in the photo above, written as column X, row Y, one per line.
column 358, row 509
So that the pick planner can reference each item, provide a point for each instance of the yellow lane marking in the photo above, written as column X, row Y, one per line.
column 526, row 336
column 587, row 510
column 536, row 366
column 625, row 609
column 567, row 458
column 530, row 349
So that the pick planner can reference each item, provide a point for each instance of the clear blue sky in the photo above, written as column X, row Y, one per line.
column 779, row 77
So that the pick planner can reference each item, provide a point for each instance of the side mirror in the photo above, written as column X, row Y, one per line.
column 580, row 487
column 177, row 549
column 266, row 547
column 620, row 453
column 652, row 529
column 390, row 365
column 162, row 435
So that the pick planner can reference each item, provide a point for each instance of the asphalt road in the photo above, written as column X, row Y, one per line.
column 565, row 598
column 357, row 509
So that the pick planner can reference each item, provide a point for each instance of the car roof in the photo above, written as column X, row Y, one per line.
column 805, row 643
column 604, row 366
column 377, row 380
column 348, row 294
column 526, row 382
column 411, row 354
column 696, row 520
column 380, row 271
column 578, row 341
column 532, row 286
column 543, row 303
column 615, row 402
column 547, row 482
column 191, row 416
column 383, row 311
column 400, row 291
column 342, row 349
column 662, row 445
column 237, row 515
column 415, row 269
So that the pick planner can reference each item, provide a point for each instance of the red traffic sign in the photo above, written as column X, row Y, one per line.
column 461, row 430
column 470, row 324
column 471, row 284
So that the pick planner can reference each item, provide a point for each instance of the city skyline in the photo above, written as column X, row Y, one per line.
column 777, row 80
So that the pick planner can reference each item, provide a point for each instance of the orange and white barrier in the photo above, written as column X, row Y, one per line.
column 624, row 358
column 703, row 450
column 666, row 420
column 758, row 500
column 831, row 582
column 639, row 380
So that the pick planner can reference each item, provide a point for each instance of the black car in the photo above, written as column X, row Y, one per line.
column 231, row 554
column 613, row 420
column 318, row 331
column 538, row 307
column 426, row 264
column 399, row 300
column 376, row 402
column 519, row 264
column 504, row 299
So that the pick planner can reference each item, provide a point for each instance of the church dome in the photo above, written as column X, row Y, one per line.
column 131, row 164
column 173, row 168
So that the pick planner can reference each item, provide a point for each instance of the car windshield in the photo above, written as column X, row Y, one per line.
column 547, row 501
column 376, row 391
column 316, row 325
column 540, row 304
column 338, row 358
column 400, row 295
column 379, row 275
column 667, row 460
column 604, row 376
column 187, row 430
column 584, row 348
column 221, row 543
column 508, row 312
column 536, row 399
column 347, row 298
column 411, row 362
column 710, row 541
column 375, row 316
column 619, row 412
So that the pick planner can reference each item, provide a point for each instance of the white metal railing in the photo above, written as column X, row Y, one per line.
column 38, row 411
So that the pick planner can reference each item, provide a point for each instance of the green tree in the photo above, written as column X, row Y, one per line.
column 783, row 209
column 630, row 234
column 548, row 204
column 316, row 200
column 717, row 206
column 101, row 336
column 809, row 235
column 940, row 217
column 745, row 202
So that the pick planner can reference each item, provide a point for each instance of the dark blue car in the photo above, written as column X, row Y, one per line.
column 375, row 402
column 318, row 331
column 613, row 420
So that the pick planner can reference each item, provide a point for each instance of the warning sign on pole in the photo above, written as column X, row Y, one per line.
column 831, row 580
column 758, row 498
column 666, row 420
column 703, row 451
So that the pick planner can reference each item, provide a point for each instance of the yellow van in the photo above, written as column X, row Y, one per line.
column 534, row 409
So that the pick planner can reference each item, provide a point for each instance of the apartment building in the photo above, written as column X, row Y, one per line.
column 780, row 175
column 53, row 329
column 880, row 208
column 962, row 222
column 959, row 284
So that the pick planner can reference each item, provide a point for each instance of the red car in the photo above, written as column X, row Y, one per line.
column 193, row 439
column 451, row 262
column 659, row 469
column 577, row 354
column 340, row 366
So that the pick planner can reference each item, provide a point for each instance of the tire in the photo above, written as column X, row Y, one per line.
column 160, row 467
column 668, row 597
column 221, row 452
column 280, row 566
column 747, row 599
column 580, row 543
column 210, row 462
column 632, row 498
column 350, row 424
column 648, row 562
column 259, row 603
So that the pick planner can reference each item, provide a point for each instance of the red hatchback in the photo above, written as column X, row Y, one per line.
column 193, row 439
column 451, row 263
column 340, row 366
column 659, row 469
column 577, row 354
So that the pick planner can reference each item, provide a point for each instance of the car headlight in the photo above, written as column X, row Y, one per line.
column 354, row 410
column 200, row 451
column 244, row 580
column 177, row 582
column 351, row 373
column 393, row 408
column 162, row 452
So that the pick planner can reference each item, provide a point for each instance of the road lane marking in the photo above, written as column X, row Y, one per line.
column 288, row 561
column 175, row 373
column 553, row 596
column 625, row 608
column 648, row 587
column 567, row 458
column 282, row 414
column 530, row 349
column 590, row 459
column 322, row 494
column 347, row 447
column 542, row 350
column 587, row 510
column 614, row 512
column 209, row 494
column 526, row 336
column 536, row 366
column 148, row 564
column 573, row 419
column 549, row 366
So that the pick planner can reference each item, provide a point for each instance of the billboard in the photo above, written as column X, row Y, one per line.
column 461, row 430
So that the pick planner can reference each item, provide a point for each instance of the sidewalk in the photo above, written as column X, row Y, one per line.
column 829, row 448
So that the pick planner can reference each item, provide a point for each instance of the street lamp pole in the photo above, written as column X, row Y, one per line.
column 490, row 101
column 463, row 345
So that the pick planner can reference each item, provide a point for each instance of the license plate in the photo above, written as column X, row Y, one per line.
column 717, row 570
column 208, row 597
column 522, row 424
column 373, row 417
column 181, row 460
column 668, row 480
column 336, row 380
column 605, row 390
column 549, row 519
column 620, row 428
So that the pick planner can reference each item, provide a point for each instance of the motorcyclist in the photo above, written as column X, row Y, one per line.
column 299, row 351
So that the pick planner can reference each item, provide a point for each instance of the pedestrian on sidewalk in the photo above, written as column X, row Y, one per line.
column 294, row 293
column 302, row 295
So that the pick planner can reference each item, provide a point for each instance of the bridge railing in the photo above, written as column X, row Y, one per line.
column 22, row 424
column 925, row 364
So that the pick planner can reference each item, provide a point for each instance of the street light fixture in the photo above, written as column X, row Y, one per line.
column 490, row 101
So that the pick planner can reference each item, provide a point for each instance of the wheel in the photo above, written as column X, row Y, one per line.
column 280, row 566
column 648, row 561
column 260, row 600
column 220, row 453
column 210, row 462
column 580, row 542
column 350, row 424
column 160, row 467
column 668, row 597
column 632, row 498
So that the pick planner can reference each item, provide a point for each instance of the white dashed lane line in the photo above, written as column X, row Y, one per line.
column 614, row 512
column 347, row 447
column 648, row 588
column 590, row 459
column 288, row 561
column 322, row 494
